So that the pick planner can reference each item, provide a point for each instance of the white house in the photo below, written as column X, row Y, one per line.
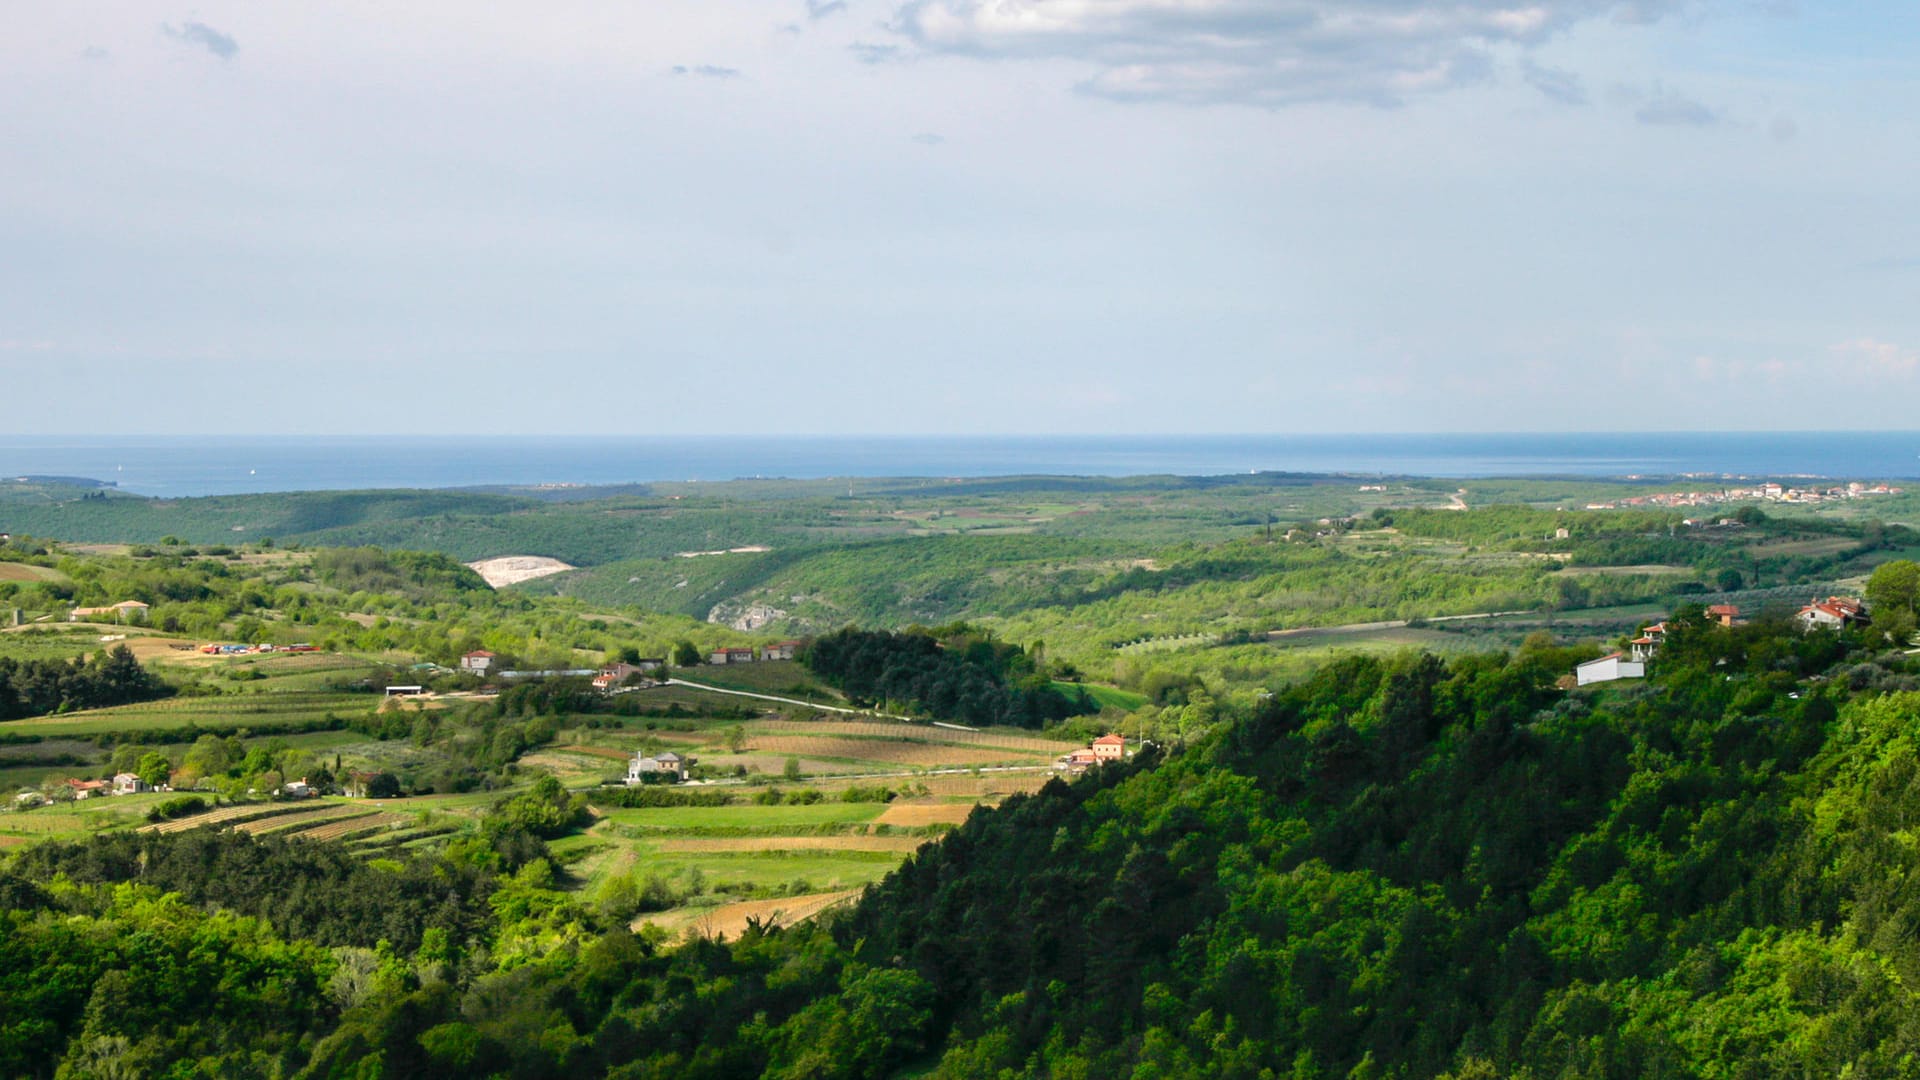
column 1608, row 668
column 644, row 765
column 127, row 783
column 479, row 662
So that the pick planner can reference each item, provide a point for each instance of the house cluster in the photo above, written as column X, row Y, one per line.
column 1835, row 612
column 1108, row 747
column 125, row 783
column 614, row 676
column 1767, row 492
column 668, row 766
column 779, row 650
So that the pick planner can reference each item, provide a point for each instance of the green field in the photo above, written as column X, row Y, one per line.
column 742, row 820
column 1105, row 696
column 243, row 712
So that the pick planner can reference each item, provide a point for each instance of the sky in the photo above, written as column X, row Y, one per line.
column 958, row 216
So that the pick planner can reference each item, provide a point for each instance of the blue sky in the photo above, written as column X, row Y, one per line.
column 959, row 216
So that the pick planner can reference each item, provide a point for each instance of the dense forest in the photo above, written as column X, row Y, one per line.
column 1401, row 867
column 953, row 672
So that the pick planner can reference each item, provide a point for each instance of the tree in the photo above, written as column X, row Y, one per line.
column 1894, row 587
column 686, row 654
column 154, row 768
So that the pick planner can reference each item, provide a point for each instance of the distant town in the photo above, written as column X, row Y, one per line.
column 1766, row 492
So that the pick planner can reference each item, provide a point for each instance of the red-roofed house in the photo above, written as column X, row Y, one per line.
column 1834, row 612
column 730, row 656
column 1077, row 762
column 780, row 650
column 1724, row 614
column 479, row 662
column 1109, row 747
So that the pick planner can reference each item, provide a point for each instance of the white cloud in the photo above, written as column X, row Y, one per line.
column 1876, row 359
column 1272, row 53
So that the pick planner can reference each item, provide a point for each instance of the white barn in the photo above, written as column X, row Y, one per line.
column 1608, row 668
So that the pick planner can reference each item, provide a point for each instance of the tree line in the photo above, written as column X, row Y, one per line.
column 953, row 673
column 40, row 687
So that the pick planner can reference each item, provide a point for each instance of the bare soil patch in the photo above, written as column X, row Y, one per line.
column 916, row 733
column 506, row 570
column 887, row 751
column 915, row 814
column 730, row 920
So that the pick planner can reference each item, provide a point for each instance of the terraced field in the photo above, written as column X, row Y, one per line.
column 224, row 816
column 343, row 828
column 288, row 823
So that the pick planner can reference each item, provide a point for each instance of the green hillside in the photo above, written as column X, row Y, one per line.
column 1396, row 868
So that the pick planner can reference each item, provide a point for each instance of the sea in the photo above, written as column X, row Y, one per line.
column 177, row 466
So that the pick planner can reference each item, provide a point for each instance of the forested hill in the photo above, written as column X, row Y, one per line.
column 1412, row 869
column 1398, row 868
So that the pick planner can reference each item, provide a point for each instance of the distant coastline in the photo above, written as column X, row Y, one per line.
column 181, row 466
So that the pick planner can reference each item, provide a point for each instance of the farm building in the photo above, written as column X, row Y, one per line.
column 730, row 656
column 780, row 650
column 669, row 765
column 1078, row 761
column 616, row 674
column 127, row 783
column 124, row 611
column 479, row 662
column 1608, row 668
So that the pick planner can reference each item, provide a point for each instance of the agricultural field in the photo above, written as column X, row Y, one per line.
column 827, row 746
column 251, row 712
column 709, row 867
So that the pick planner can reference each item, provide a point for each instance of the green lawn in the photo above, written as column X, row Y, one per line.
column 1104, row 695
column 51, row 643
column 750, row 818
column 820, row 871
